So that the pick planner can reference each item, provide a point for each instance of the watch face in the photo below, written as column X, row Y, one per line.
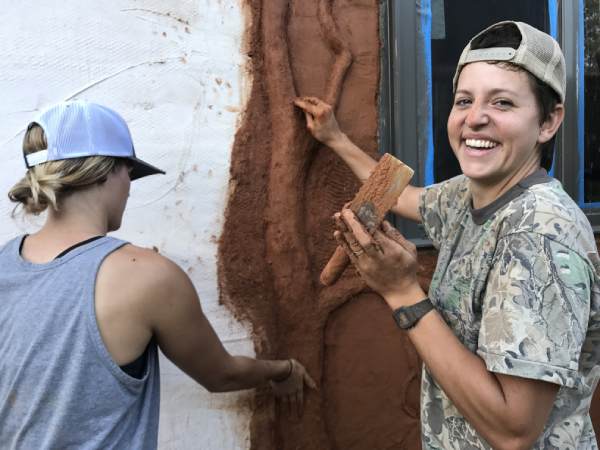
column 402, row 319
column 407, row 316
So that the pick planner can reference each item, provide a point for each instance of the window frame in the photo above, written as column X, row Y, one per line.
column 570, row 170
column 404, row 100
column 399, row 106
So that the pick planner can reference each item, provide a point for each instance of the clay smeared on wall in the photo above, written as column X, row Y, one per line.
column 278, row 233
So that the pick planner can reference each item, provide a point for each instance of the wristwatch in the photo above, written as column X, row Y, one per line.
column 407, row 316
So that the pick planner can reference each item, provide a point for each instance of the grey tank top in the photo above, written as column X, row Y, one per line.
column 59, row 386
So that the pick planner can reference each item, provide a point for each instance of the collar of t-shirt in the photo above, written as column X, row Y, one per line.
column 481, row 215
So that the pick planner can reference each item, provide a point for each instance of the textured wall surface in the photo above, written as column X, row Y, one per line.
column 180, row 73
column 285, row 188
column 176, row 71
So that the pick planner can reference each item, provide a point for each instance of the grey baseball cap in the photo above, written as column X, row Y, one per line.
column 77, row 129
column 538, row 53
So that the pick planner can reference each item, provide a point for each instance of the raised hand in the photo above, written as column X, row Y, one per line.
column 384, row 258
column 320, row 119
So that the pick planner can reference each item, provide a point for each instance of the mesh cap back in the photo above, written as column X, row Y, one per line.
column 78, row 129
column 538, row 53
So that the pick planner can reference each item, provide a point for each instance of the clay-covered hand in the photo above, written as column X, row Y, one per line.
column 290, row 391
column 386, row 261
column 320, row 119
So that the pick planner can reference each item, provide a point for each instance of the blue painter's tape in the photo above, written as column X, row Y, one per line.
column 425, row 14
column 553, row 16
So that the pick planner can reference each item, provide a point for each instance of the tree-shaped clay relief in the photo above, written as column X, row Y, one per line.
column 278, row 233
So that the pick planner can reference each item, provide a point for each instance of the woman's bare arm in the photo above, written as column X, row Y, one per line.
column 321, row 122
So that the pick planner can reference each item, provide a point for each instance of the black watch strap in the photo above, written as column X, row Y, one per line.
column 407, row 316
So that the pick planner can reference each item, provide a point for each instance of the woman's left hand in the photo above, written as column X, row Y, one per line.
column 384, row 258
column 291, row 389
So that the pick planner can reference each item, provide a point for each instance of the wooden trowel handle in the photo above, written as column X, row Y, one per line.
column 335, row 267
column 370, row 204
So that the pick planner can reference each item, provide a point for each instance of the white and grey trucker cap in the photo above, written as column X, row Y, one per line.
column 538, row 53
column 78, row 129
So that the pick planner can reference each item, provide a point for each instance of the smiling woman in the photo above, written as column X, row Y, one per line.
column 509, row 330
column 496, row 133
column 452, row 24
column 504, row 118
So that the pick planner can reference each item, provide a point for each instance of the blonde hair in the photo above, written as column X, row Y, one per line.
column 45, row 185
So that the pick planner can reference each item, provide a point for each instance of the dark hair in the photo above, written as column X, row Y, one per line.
column 508, row 35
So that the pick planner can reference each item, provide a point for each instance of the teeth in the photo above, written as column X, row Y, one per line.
column 480, row 143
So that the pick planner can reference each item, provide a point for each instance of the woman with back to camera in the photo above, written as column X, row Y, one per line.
column 510, row 332
column 83, row 314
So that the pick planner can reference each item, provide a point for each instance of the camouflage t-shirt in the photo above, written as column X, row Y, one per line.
column 518, row 283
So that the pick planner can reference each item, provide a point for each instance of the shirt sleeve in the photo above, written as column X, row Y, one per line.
column 439, row 204
column 535, row 310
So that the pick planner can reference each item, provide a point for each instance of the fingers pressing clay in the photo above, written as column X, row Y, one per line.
column 309, row 120
column 314, row 101
column 309, row 381
column 305, row 106
column 311, row 105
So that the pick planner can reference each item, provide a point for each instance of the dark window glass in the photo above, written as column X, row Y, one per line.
column 453, row 23
column 592, row 102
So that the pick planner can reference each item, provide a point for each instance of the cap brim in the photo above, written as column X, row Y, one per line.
column 142, row 169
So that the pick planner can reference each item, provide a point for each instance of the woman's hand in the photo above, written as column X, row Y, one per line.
column 384, row 258
column 290, row 390
column 320, row 119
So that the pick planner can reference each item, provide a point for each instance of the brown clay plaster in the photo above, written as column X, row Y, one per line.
column 278, row 232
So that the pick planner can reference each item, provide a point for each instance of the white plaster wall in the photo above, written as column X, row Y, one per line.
column 175, row 70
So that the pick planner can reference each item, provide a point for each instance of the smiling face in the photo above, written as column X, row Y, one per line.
column 494, row 126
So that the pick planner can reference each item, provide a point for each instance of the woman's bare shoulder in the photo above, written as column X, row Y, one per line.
column 142, row 271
